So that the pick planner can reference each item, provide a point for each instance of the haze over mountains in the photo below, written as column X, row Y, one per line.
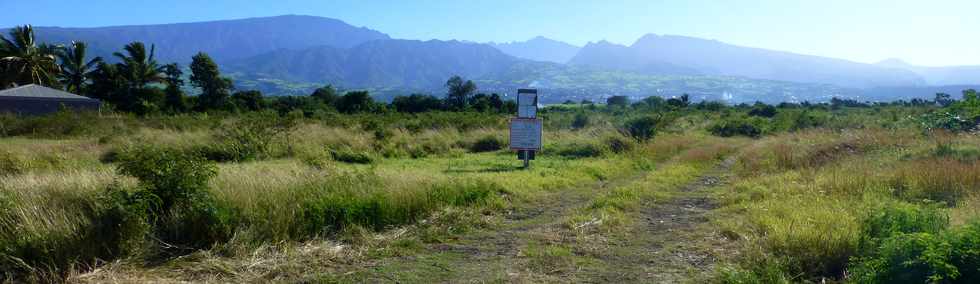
column 293, row 54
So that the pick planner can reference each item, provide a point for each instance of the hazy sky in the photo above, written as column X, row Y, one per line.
column 924, row 32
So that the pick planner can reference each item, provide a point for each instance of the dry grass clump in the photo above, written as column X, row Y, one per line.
column 815, row 148
column 942, row 179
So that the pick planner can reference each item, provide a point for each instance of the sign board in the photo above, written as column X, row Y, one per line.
column 527, row 103
column 525, row 134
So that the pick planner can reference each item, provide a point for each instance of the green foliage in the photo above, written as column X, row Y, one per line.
column 488, row 143
column 355, row 102
column 902, row 218
column 25, row 61
column 643, row 128
column 459, row 92
column 912, row 244
column 416, row 103
column 173, row 176
column 763, row 110
column 340, row 209
column 249, row 138
column 351, row 156
column 215, row 89
column 174, row 195
column 579, row 150
column 618, row 144
column 741, row 126
column 327, row 94
column 621, row 101
column 248, row 100
column 580, row 121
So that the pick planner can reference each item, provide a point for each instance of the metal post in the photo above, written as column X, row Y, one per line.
column 527, row 159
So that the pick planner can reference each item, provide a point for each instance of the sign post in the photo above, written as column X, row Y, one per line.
column 525, row 129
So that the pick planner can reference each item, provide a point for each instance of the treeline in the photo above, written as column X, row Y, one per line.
column 139, row 84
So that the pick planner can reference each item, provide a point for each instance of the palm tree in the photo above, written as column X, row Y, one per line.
column 75, row 70
column 139, row 67
column 23, row 61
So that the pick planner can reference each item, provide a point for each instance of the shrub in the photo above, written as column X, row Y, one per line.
column 643, row 128
column 911, row 244
column 580, row 121
column 902, row 218
column 248, row 138
column 764, row 110
column 908, row 258
column 175, row 185
column 348, row 155
column 737, row 127
column 579, row 150
column 618, row 144
column 945, row 120
column 488, row 143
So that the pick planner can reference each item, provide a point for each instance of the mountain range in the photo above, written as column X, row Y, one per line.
column 290, row 55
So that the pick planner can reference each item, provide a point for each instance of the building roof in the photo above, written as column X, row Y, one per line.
column 39, row 92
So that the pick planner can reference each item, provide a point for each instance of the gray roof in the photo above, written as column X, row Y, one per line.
column 37, row 91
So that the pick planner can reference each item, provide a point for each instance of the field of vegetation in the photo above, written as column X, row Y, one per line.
column 651, row 191
column 337, row 187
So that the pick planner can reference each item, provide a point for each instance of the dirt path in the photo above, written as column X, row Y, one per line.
column 670, row 243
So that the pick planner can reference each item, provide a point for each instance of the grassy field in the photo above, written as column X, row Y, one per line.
column 864, row 195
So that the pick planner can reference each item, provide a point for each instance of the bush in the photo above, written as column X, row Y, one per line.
column 580, row 121
column 644, row 128
column 618, row 144
column 248, row 138
column 911, row 244
column 488, row 143
column 902, row 218
column 764, row 110
column 351, row 156
column 175, row 185
column 737, row 127
column 580, row 150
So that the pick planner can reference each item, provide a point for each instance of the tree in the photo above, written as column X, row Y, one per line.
column 496, row 102
column 618, row 101
column 214, row 88
column 249, row 100
column 139, row 67
column 459, row 92
column 175, row 100
column 356, row 101
column 75, row 71
column 480, row 102
column 326, row 94
column 107, row 84
column 23, row 62
column 416, row 103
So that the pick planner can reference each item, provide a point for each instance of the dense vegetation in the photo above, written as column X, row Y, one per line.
column 165, row 186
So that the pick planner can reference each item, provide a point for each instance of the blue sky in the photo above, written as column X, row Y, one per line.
column 922, row 32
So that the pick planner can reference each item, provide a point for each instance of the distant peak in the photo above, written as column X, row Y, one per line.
column 893, row 62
